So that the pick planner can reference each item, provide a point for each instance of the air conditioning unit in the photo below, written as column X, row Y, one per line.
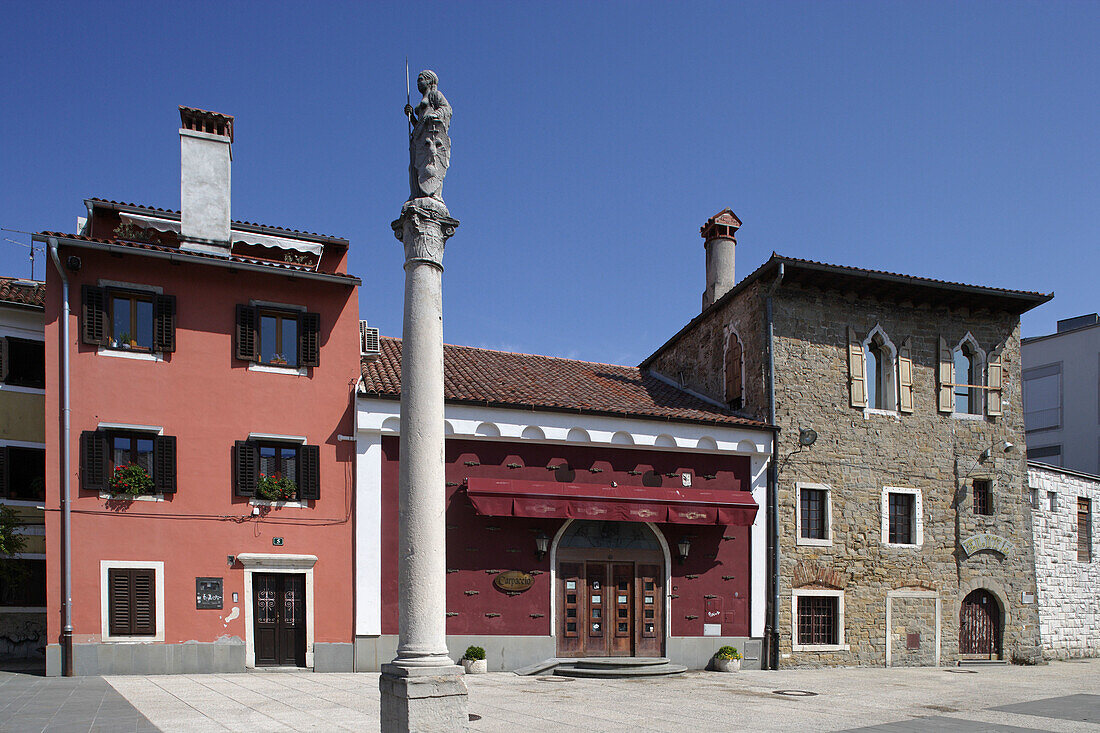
column 368, row 340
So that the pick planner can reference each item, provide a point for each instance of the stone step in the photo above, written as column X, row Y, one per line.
column 623, row 672
column 539, row 667
column 616, row 662
column 983, row 662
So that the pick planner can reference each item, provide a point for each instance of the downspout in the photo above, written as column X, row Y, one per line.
column 772, row 623
column 66, row 514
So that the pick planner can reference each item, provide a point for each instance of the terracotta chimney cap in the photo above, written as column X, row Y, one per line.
column 202, row 120
column 723, row 224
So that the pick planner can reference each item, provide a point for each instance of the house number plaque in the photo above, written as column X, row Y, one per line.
column 513, row 581
column 208, row 593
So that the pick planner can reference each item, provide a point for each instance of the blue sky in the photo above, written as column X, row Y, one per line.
column 590, row 141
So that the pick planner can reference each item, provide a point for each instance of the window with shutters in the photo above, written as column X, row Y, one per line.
column 279, row 338
column 102, row 452
column 902, row 522
column 277, row 471
column 969, row 383
column 132, row 600
column 23, row 362
column 23, row 473
column 813, row 515
column 880, row 357
column 1084, row 529
column 735, row 370
column 128, row 319
column 818, row 619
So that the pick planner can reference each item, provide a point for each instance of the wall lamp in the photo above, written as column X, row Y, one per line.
column 988, row 452
column 684, row 546
column 542, row 544
column 806, row 437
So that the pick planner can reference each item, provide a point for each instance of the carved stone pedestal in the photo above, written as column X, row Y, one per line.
column 423, row 699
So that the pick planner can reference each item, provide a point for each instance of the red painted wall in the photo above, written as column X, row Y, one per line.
column 718, row 565
column 207, row 399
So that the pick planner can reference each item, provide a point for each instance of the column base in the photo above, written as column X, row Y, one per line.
column 424, row 699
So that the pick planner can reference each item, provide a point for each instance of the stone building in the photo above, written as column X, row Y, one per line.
column 904, row 528
column 1066, row 565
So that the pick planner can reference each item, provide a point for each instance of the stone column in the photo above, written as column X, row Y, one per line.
column 422, row 689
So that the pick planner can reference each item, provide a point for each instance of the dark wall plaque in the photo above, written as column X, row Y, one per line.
column 208, row 593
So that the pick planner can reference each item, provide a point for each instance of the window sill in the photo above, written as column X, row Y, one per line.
column 967, row 416
column 128, row 497
column 133, row 639
column 24, row 609
column 21, row 390
column 868, row 411
column 294, row 371
column 821, row 647
column 901, row 546
column 33, row 503
column 808, row 542
column 124, row 354
column 296, row 504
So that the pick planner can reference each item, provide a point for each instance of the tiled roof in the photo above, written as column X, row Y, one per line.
column 177, row 251
column 22, row 292
column 508, row 379
column 176, row 214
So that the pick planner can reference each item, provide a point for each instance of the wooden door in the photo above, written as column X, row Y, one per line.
column 571, row 609
column 596, row 638
column 980, row 625
column 649, row 626
column 622, row 604
column 279, row 624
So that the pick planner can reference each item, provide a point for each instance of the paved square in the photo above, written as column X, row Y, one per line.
column 61, row 704
column 1085, row 708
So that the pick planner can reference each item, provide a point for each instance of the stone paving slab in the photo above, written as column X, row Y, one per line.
column 30, row 702
column 1084, row 708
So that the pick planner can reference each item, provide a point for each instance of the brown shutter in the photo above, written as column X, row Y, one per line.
column 945, row 378
column 247, row 342
column 905, row 377
column 164, row 464
column 164, row 323
column 857, row 371
column 143, row 606
column 246, row 468
column 93, row 316
column 309, row 339
column 733, row 369
column 994, row 380
column 93, row 461
column 5, row 360
column 309, row 472
column 119, row 602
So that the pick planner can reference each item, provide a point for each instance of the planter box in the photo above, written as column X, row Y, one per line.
column 727, row 665
column 475, row 666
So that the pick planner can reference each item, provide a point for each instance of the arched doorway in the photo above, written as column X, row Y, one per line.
column 980, row 626
column 609, row 590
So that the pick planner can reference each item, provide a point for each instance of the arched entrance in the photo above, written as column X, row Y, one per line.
column 980, row 626
column 609, row 590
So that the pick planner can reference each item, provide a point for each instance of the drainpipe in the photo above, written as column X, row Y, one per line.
column 66, row 514
column 771, row 631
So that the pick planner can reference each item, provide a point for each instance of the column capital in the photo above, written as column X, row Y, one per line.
column 424, row 227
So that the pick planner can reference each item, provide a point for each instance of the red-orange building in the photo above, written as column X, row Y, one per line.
column 209, row 368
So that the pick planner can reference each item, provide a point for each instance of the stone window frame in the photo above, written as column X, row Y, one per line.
column 892, row 389
column 806, row 541
column 980, row 359
column 993, row 496
column 157, row 566
column 918, row 516
column 840, row 646
column 731, row 333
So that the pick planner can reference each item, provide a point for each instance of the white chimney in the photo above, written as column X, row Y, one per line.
column 206, row 154
column 720, row 243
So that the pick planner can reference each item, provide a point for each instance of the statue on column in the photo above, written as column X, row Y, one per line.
column 429, row 143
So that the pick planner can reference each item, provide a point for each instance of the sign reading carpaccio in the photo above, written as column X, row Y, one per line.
column 513, row 581
column 980, row 542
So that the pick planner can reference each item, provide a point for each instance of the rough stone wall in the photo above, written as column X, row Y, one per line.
column 698, row 359
column 859, row 452
column 1069, row 590
column 913, row 616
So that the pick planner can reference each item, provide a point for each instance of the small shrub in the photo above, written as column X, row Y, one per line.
column 130, row 479
column 728, row 652
column 474, row 653
column 276, row 488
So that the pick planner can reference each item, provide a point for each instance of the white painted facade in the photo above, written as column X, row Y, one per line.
column 1069, row 589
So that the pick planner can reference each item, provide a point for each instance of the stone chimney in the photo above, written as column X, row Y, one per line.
column 206, row 154
column 720, row 243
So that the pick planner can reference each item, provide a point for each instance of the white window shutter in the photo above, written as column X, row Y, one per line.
column 945, row 378
column 857, row 371
column 905, row 378
column 994, row 381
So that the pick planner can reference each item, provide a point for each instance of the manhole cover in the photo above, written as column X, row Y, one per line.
column 961, row 671
column 794, row 693
column 475, row 716
column 555, row 679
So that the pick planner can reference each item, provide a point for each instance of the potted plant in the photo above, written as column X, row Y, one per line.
column 473, row 661
column 276, row 488
column 278, row 359
column 727, row 659
column 124, row 340
column 130, row 480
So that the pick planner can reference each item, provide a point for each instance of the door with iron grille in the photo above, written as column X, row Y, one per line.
column 980, row 626
column 279, row 624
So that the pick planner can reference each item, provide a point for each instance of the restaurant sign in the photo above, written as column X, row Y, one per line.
column 513, row 581
column 980, row 542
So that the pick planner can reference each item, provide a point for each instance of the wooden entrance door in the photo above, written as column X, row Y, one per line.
column 980, row 625
column 609, row 609
column 279, row 623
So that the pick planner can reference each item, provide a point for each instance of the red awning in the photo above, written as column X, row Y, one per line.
column 505, row 498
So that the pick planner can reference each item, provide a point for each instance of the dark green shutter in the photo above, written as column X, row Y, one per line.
column 246, row 468
column 310, row 472
column 247, row 343
column 93, row 316
column 309, row 339
column 119, row 602
column 164, row 323
column 164, row 464
column 132, row 602
column 93, row 461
